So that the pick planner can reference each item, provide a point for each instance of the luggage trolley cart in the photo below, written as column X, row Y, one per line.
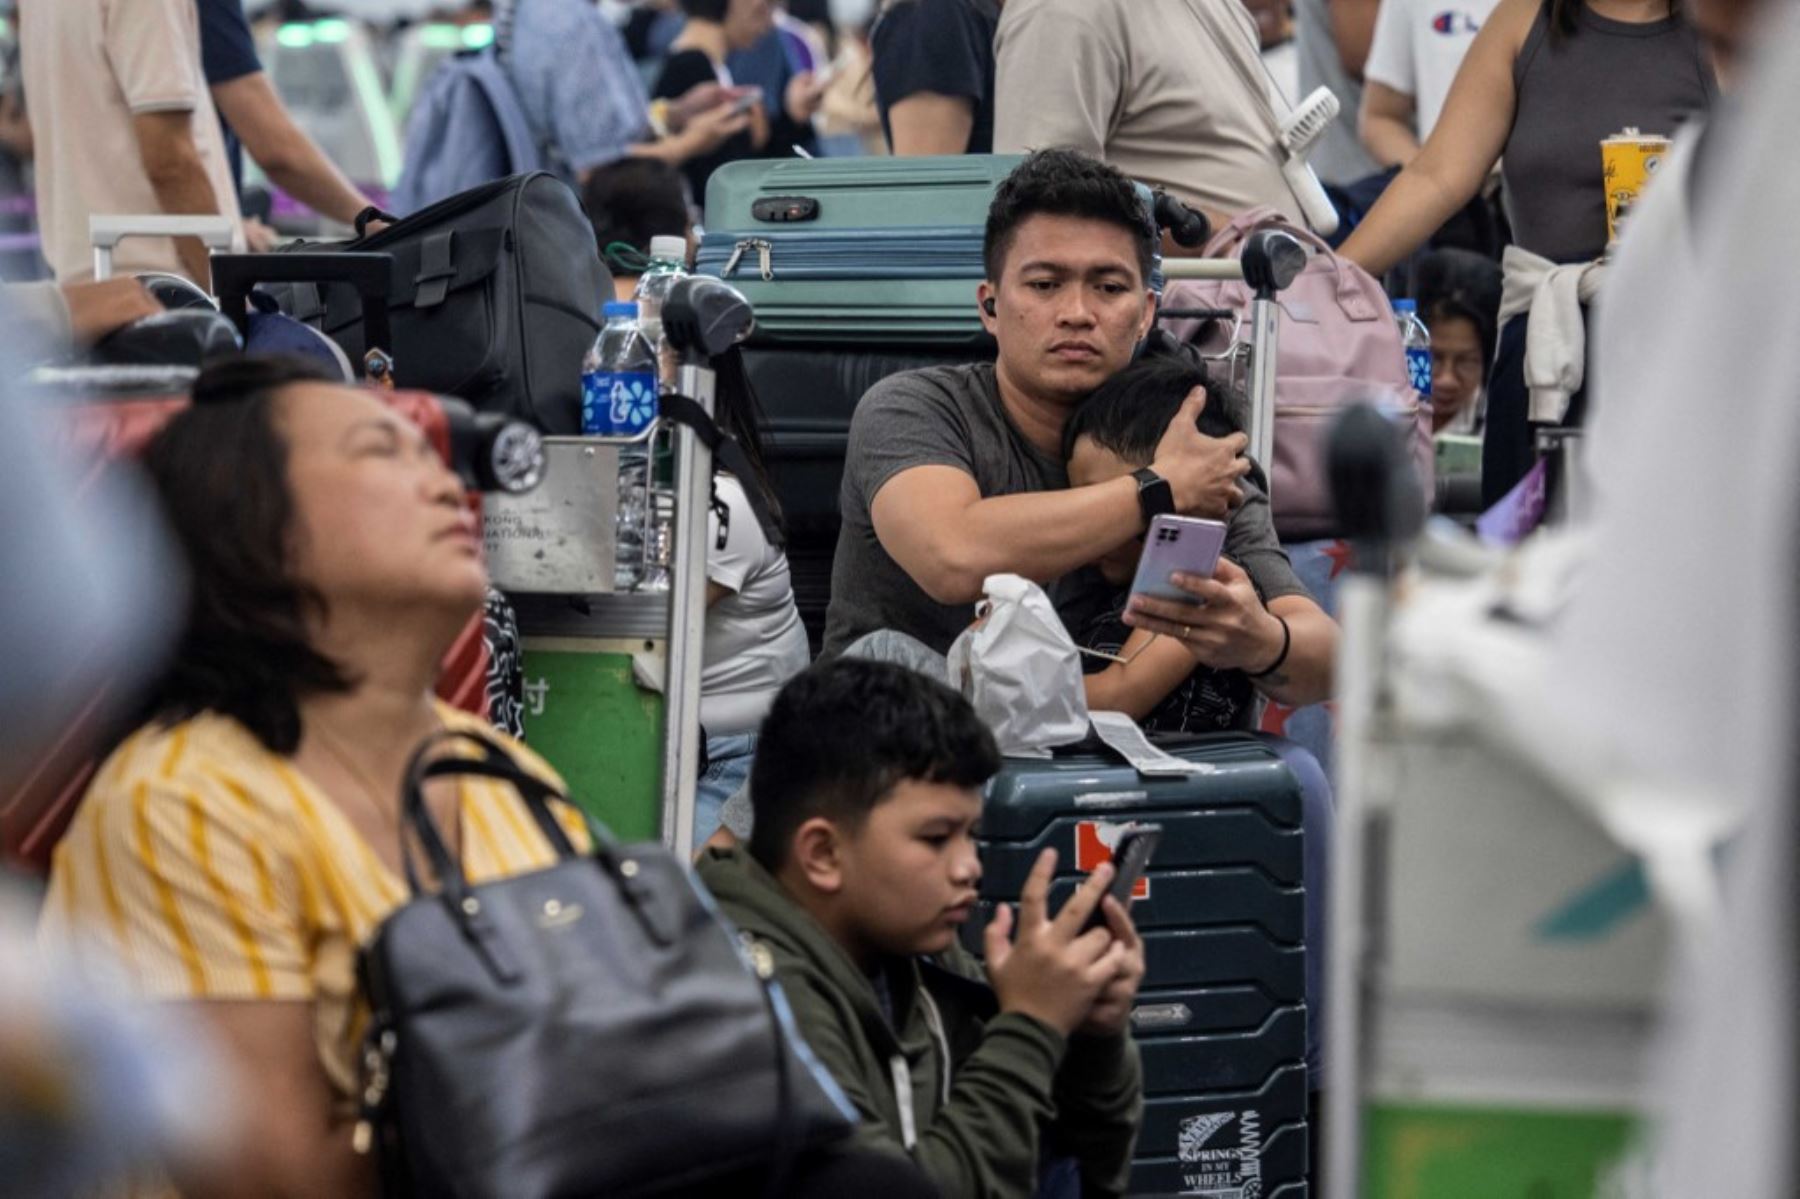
column 1497, row 951
column 106, row 231
column 584, row 644
column 595, row 657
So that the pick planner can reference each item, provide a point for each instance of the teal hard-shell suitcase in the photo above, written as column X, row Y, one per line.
column 866, row 252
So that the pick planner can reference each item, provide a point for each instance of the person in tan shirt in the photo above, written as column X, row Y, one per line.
column 1171, row 92
column 122, row 123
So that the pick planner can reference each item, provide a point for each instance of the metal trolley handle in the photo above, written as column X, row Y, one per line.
column 107, row 230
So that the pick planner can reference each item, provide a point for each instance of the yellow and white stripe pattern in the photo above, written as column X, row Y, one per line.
column 211, row 869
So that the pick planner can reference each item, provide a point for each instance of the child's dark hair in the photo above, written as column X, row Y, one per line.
column 844, row 733
column 1066, row 183
column 1129, row 413
column 632, row 201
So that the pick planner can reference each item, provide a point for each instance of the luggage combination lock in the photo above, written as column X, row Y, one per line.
column 763, row 248
column 783, row 210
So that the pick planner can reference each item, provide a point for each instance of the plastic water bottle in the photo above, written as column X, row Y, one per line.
column 1417, row 340
column 619, row 399
column 668, row 257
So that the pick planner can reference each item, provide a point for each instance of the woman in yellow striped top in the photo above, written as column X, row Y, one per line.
column 235, row 852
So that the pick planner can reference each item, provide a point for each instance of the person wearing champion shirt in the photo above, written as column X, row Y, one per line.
column 1418, row 48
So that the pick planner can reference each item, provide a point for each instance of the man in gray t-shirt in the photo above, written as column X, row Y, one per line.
column 956, row 473
column 952, row 416
column 940, row 416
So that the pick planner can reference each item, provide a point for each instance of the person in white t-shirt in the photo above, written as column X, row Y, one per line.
column 1418, row 48
column 754, row 639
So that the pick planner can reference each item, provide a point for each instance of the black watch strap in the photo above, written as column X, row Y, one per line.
column 1155, row 498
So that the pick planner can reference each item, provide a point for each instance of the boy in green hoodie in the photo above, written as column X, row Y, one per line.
column 862, row 863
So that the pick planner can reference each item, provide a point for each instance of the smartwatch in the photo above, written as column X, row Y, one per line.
column 1154, row 496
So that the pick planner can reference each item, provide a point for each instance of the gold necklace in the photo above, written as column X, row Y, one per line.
column 390, row 817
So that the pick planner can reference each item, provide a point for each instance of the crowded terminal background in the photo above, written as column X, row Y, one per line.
column 898, row 597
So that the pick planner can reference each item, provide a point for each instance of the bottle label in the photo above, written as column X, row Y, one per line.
column 617, row 403
column 1418, row 370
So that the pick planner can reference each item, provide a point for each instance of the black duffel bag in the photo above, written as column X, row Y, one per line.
column 496, row 298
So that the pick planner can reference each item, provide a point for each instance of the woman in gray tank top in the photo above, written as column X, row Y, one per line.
column 1543, row 84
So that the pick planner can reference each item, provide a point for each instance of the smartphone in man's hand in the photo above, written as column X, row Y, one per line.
column 1177, row 545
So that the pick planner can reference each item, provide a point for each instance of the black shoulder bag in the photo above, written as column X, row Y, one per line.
column 592, row 1029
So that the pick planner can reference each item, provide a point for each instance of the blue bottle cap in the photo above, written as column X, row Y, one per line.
column 1401, row 307
column 614, row 308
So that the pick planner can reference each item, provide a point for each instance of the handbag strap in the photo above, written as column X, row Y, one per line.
column 494, row 762
column 786, row 1140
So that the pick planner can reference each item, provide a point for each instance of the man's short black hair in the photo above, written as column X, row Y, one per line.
column 1066, row 183
column 1129, row 413
column 844, row 733
column 706, row 10
column 632, row 201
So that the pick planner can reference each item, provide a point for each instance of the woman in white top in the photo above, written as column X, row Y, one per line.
column 754, row 639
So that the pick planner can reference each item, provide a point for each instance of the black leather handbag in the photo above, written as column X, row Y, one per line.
column 590, row 1030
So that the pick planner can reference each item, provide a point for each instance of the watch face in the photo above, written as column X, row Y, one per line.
column 1154, row 496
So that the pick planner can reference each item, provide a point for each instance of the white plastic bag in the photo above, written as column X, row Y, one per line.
column 1020, row 670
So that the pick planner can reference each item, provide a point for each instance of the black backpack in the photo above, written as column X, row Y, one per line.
column 496, row 298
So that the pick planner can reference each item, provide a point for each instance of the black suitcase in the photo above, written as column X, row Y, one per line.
column 1221, row 1018
column 807, row 395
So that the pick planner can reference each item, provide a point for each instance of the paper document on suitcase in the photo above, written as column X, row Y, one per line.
column 1123, row 736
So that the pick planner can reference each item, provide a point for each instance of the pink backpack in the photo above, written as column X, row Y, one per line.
column 1339, row 344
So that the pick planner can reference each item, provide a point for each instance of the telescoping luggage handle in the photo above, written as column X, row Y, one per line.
column 107, row 230
column 234, row 275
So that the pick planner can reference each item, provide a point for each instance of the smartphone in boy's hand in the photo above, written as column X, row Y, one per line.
column 1131, row 858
